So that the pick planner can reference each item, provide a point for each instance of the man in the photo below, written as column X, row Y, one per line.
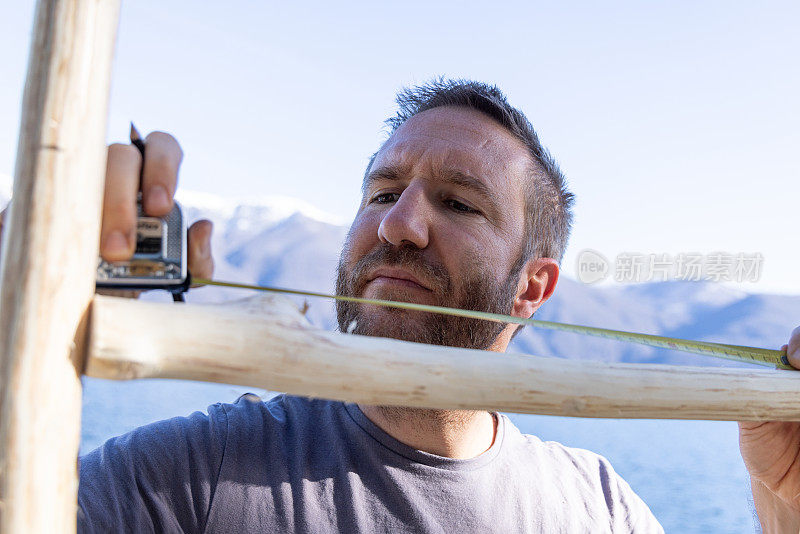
column 461, row 207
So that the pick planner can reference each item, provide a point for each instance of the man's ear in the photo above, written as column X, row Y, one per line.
column 537, row 282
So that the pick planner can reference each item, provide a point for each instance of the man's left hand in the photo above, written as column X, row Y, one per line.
column 771, row 453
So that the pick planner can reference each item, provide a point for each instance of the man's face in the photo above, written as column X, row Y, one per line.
column 441, row 222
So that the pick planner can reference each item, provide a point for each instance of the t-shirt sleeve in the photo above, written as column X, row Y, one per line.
column 628, row 511
column 158, row 478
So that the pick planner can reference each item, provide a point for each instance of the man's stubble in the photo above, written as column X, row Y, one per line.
column 479, row 290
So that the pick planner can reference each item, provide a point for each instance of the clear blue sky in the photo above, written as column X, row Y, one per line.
column 677, row 123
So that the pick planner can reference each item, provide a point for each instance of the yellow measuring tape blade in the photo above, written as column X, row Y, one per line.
column 768, row 357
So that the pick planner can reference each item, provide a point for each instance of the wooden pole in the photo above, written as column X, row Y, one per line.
column 49, row 257
column 277, row 350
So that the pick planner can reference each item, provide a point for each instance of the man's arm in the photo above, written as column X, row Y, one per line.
column 771, row 452
column 774, row 513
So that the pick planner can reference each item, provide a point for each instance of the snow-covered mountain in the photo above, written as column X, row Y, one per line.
column 286, row 242
column 270, row 241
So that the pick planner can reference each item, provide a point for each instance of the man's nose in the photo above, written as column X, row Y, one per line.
column 406, row 221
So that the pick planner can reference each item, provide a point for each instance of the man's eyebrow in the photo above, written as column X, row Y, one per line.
column 469, row 182
column 381, row 173
column 458, row 178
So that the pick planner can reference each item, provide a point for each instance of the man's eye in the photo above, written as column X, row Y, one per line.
column 385, row 198
column 460, row 206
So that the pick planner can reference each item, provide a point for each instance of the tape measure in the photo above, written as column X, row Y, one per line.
column 767, row 357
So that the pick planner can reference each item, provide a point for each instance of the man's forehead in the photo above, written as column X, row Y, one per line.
column 446, row 139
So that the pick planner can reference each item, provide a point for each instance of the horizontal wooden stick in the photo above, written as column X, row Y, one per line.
column 268, row 344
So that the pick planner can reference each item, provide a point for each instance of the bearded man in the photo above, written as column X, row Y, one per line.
column 462, row 207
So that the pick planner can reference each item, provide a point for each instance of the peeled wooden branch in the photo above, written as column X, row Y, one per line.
column 49, row 261
column 274, row 348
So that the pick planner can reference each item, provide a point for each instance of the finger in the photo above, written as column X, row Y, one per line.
column 2, row 222
column 793, row 348
column 163, row 157
column 118, row 228
column 201, row 263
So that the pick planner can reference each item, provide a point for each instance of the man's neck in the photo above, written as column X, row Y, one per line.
column 458, row 434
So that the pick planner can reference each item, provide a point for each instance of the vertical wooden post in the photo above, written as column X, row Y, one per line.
column 49, row 257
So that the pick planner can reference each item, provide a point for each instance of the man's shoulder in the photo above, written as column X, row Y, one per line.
column 561, row 456
column 585, row 470
column 578, row 475
column 285, row 425
column 279, row 411
column 210, row 433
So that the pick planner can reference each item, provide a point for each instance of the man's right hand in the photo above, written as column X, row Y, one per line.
column 159, row 182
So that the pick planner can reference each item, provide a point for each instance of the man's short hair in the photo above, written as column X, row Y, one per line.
column 548, row 201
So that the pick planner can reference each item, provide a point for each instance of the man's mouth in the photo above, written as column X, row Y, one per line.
column 397, row 277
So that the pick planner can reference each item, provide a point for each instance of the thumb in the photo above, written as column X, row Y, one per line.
column 201, row 262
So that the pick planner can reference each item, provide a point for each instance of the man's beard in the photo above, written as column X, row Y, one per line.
column 479, row 291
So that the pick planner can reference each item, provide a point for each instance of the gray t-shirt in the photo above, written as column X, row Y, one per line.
column 298, row 465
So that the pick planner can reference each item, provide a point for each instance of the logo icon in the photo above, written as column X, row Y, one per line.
column 592, row 266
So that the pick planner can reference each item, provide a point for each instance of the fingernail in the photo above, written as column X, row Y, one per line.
column 157, row 199
column 115, row 243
